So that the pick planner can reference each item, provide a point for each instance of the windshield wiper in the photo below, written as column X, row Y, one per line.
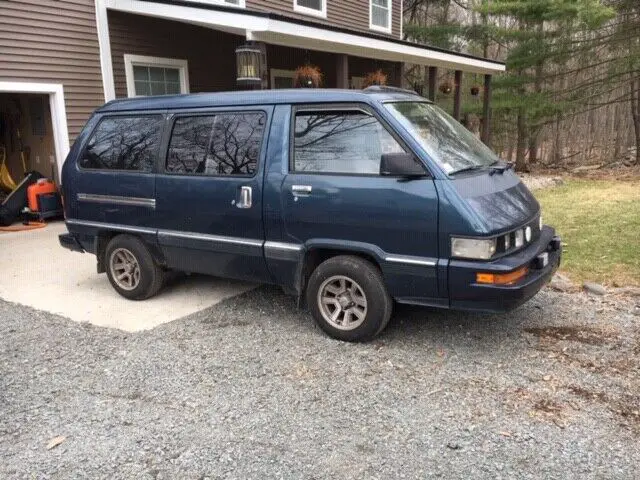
column 501, row 168
column 467, row 169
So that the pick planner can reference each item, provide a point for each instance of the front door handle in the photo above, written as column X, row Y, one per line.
column 299, row 190
column 245, row 200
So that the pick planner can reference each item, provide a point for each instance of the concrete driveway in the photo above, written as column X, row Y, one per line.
column 37, row 272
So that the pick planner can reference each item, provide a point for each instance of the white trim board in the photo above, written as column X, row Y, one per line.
column 240, row 4
column 141, row 60
column 290, row 34
column 104, row 44
column 58, row 113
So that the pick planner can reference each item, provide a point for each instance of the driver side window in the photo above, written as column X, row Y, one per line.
column 340, row 142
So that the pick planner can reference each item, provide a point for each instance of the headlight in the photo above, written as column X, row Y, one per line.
column 519, row 238
column 477, row 248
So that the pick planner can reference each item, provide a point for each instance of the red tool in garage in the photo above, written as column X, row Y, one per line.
column 43, row 198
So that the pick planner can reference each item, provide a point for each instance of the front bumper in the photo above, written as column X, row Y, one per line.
column 466, row 294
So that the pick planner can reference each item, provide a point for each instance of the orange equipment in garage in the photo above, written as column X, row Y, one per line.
column 43, row 186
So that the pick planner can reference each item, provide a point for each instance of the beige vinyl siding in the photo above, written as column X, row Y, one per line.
column 54, row 41
column 352, row 14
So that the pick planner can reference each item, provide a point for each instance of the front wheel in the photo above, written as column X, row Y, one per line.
column 348, row 299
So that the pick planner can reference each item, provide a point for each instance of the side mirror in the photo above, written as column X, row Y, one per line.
column 401, row 165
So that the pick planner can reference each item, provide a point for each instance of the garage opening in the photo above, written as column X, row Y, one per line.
column 29, row 173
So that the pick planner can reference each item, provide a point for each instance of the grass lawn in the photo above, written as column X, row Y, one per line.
column 599, row 220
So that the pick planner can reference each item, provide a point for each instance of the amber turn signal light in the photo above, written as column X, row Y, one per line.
column 502, row 278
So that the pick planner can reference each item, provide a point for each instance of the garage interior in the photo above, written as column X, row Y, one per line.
column 27, row 149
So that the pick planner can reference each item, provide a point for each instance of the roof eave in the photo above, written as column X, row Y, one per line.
column 281, row 30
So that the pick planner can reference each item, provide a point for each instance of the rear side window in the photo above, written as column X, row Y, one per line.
column 341, row 142
column 124, row 143
column 221, row 144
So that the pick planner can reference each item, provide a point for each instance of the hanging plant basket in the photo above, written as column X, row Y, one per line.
column 374, row 78
column 475, row 90
column 446, row 88
column 307, row 76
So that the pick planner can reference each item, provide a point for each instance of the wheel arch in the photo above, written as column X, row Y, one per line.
column 316, row 252
column 104, row 236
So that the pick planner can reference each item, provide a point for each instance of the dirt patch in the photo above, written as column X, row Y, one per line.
column 588, row 394
column 581, row 334
column 626, row 405
column 547, row 406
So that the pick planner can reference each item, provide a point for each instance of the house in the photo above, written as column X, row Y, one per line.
column 60, row 59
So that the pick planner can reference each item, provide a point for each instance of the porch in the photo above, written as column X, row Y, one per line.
column 188, row 47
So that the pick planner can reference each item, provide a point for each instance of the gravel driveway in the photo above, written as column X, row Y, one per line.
column 251, row 389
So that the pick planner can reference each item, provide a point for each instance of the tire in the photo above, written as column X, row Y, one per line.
column 144, row 277
column 348, row 299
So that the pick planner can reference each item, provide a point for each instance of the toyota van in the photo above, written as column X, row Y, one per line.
column 349, row 200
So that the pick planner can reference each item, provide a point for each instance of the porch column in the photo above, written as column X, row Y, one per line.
column 486, row 111
column 342, row 71
column 433, row 75
column 457, row 88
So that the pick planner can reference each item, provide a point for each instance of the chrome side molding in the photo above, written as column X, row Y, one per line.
column 210, row 238
column 272, row 249
column 111, row 226
column 408, row 260
column 117, row 200
column 292, row 247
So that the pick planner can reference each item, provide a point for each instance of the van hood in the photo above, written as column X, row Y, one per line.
column 501, row 201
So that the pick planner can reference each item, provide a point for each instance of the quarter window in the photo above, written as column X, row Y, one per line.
column 222, row 144
column 341, row 142
column 124, row 143
column 380, row 15
column 311, row 7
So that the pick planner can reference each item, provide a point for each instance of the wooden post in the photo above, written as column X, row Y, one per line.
column 486, row 111
column 433, row 76
column 457, row 89
column 342, row 71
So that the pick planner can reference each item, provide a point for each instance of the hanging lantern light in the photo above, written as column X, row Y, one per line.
column 249, row 66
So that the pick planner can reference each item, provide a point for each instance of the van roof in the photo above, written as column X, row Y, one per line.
column 259, row 97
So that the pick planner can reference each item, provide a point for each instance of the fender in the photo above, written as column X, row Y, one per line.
column 342, row 246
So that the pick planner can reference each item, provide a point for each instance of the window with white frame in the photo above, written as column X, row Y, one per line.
column 282, row 78
column 155, row 75
column 380, row 15
column 311, row 7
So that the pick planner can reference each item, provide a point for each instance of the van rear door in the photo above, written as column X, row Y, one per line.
column 209, row 192
column 112, row 184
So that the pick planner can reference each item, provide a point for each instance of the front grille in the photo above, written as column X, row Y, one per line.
column 505, row 247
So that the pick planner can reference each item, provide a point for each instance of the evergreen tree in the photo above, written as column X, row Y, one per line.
column 545, row 35
column 540, row 41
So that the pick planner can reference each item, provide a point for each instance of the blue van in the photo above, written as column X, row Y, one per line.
column 350, row 200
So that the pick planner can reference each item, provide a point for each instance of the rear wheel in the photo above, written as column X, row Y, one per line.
column 131, row 269
column 348, row 298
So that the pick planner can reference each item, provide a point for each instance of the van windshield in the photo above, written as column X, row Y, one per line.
column 445, row 140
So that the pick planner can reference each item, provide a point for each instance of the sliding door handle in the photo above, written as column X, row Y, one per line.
column 301, row 189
